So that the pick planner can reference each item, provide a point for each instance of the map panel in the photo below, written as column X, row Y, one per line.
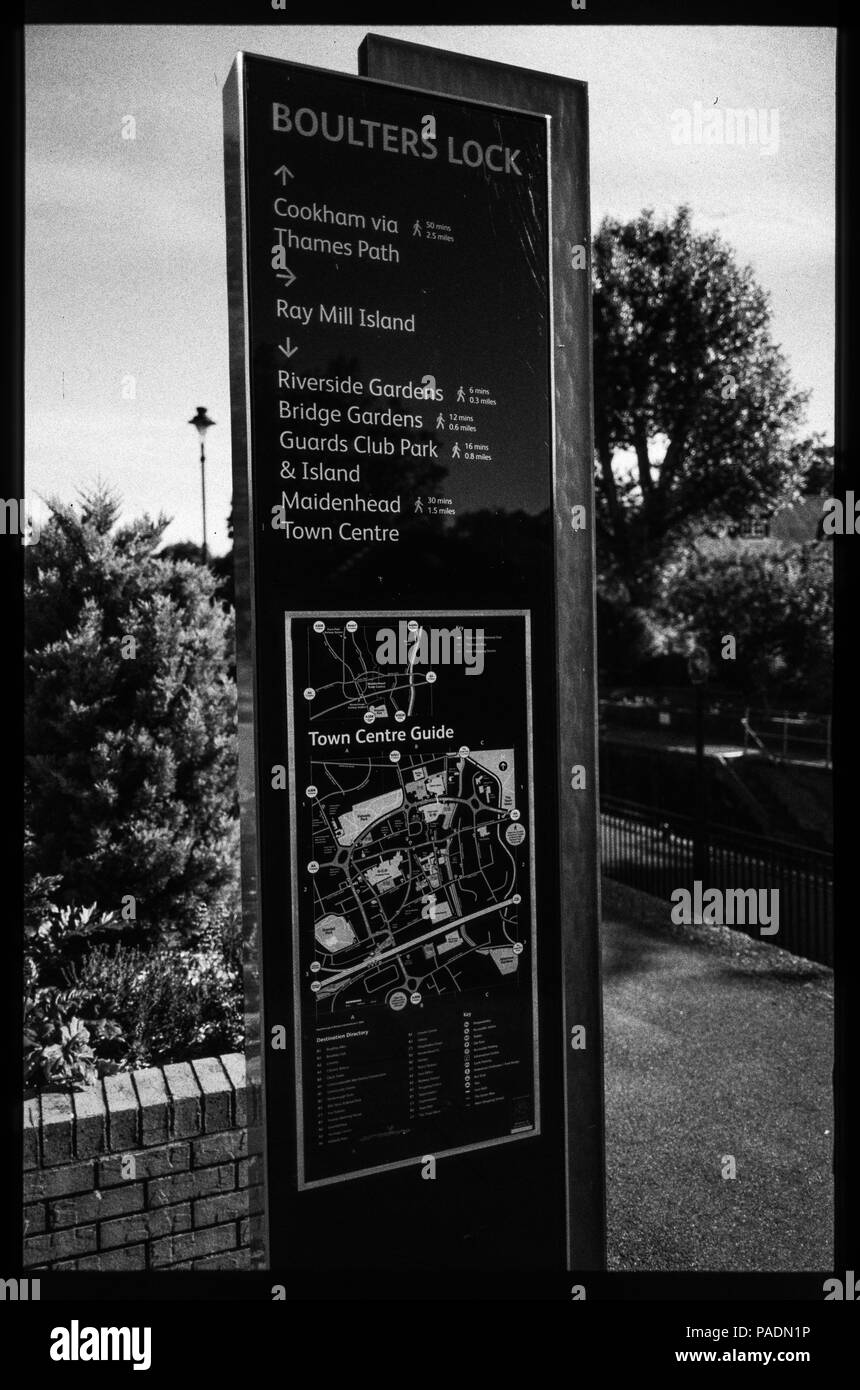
column 412, row 916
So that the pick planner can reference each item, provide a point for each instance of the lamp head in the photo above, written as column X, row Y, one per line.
column 201, row 421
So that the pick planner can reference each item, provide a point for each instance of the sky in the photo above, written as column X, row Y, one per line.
column 125, row 295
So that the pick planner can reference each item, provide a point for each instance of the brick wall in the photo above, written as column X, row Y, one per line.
column 146, row 1170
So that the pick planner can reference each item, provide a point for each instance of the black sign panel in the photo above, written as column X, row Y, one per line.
column 399, row 325
column 391, row 328
column 413, row 887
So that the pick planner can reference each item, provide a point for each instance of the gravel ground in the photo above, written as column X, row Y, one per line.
column 715, row 1044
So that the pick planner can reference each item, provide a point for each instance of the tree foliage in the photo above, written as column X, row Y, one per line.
column 696, row 419
column 130, row 719
column 776, row 602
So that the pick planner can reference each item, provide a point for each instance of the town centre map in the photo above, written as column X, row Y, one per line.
column 414, row 935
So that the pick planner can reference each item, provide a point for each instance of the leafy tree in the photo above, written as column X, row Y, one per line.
column 777, row 602
column 220, row 565
column 130, row 719
column 818, row 476
column 182, row 550
column 696, row 421
column 633, row 649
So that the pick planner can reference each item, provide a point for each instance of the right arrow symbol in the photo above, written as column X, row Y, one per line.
column 284, row 173
column 288, row 350
column 288, row 276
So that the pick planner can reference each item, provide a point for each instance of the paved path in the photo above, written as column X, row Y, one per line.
column 715, row 1044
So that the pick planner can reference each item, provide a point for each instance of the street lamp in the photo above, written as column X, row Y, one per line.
column 699, row 669
column 202, row 423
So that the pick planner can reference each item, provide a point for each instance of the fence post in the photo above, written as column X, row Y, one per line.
column 700, row 834
column 827, row 752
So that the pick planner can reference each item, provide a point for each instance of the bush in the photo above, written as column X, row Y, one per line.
column 131, row 800
column 94, row 1005
column 171, row 1005
column 130, row 786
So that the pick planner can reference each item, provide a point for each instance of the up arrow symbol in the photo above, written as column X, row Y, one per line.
column 288, row 350
column 284, row 172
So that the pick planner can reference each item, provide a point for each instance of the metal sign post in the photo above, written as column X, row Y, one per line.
column 415, row 621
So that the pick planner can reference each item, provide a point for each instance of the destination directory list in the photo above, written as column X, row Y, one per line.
column 395, row 251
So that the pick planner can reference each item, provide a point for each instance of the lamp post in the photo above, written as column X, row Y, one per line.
column 699, row 668
column 202, row 423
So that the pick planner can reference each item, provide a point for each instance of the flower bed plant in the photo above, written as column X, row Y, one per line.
column 96, row 1003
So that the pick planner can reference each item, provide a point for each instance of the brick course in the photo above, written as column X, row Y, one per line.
column 144, row 1170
